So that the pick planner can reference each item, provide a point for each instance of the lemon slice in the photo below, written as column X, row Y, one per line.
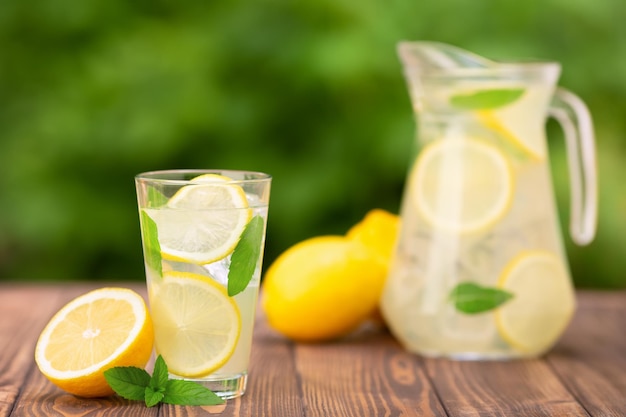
column 462, row 185
column 542, row 305
column 524, row 135
column 202, row 222
column 211, row 178
column 521, row 123
column 94, row 332
column 196, row 323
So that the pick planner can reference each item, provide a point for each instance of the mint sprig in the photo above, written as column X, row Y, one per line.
column 245, row 256
column 486, row 99
column 136, row 384
column 471, row 298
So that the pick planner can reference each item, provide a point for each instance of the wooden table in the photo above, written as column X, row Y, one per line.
column 368, row 374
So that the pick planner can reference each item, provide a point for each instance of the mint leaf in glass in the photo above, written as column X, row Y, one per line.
column 155, row 197
column 151, row 244
column 471, row 298
column 486, row 99
column 128, row 382
column 245, row 256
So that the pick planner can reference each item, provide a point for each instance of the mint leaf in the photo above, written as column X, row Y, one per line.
column 180, row 392
column 155, row 391
column 128, row 381
column 155, row 197
column 152, row 247
column 245, row 256
column 153, row 397
column 471, row 298
column 136, row 384
column 160, row 374
column 486, row 99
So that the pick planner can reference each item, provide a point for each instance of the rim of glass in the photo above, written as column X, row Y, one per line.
column 185, row 176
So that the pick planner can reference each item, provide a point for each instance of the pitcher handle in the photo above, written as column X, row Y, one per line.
column 574, row 117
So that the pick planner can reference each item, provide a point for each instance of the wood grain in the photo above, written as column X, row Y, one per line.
column 591, row 357
column 366, row 374
column 24, row 313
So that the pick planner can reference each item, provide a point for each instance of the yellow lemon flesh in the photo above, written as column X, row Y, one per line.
column 542, row 305
column 202, row 222
column 99, row 330
column 462, row 185
column 321, row 289
column 196, row 323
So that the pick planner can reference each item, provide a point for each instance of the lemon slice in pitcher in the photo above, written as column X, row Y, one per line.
column 196, row 323
column 521, row 123
column 462, row 185
column 524, row 135
column 542, row 304
column 202, row 222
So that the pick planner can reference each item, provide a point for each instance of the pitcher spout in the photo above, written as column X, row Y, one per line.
column 433, row 69
column 426, row 56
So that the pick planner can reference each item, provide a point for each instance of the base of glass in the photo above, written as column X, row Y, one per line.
column 224, row 387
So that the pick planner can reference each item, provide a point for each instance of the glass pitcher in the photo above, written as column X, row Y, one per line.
column 479, row 270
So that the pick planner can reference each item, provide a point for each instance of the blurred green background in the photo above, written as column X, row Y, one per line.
column 311, row 91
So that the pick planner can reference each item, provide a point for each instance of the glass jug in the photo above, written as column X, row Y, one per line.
column 479, row 270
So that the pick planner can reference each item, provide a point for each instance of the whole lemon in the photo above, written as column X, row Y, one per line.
column 321, row 288
column 378, row 232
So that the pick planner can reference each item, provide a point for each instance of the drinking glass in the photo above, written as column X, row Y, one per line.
column 203, row 235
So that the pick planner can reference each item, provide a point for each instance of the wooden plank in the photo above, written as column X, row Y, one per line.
column 591, row 357
column 42, row 399
column 501, row 388
column 24, row 311
column 365, row 375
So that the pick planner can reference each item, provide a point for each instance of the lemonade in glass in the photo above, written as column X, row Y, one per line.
column 203, row 235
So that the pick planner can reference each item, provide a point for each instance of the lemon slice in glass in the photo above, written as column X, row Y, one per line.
column 542, row 305
column 462, row 185
column 202, row 222
column 196, row 323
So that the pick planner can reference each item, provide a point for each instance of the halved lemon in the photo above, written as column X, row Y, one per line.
column 542, row 305
column 462, row 185
column 196, row 323
column 202, row 222
column 99, row 330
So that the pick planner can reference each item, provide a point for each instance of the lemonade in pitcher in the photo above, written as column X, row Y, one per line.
column 479, row 269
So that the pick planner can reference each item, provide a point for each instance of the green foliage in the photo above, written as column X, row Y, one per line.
column 92, row 93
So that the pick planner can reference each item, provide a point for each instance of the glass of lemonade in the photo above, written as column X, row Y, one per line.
column 203, row 234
